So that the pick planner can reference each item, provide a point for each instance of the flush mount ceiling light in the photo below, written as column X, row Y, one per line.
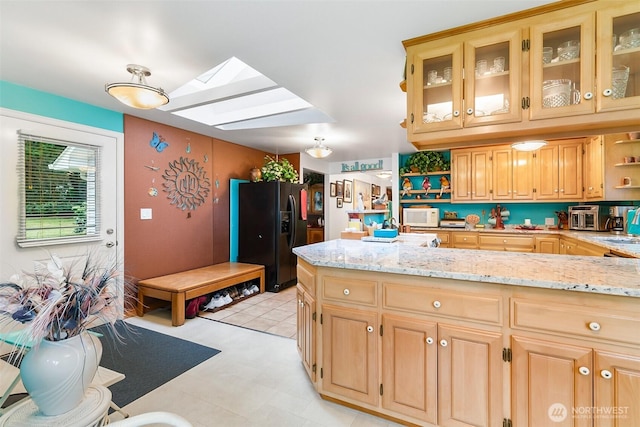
column 137, row 94
column 528, row 145
column 319, row 151
column 384, row 174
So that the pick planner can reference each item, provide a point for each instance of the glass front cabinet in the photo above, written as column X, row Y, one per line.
column 618, row 71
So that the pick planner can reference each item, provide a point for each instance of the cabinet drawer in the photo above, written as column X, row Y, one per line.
column 350, row 290
column 514, row 243
column 444, row 237
column 482, row 308
column 464, row 240
column 307, row 279
column 575, row 320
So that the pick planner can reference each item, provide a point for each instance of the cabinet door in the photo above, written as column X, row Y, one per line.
column 492, row 80
column 522, row 181
column 350, row 353
column 481, row 175
column 617, row 389
column 594, row 168
column 409, row 367
column 502, row 174
column 619, row 64
column 547, row 245
column 546, row 173
column 306, row 331
column 549, row 380
column 570, row 170
column 470, row 377
column 434, row 102
column 461, row 176
column 565, row 85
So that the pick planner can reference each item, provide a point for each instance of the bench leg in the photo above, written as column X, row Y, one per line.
column 177, row 308
column 140, row 304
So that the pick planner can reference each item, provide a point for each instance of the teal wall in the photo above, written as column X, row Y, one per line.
column 537, row 212
column 21, row 98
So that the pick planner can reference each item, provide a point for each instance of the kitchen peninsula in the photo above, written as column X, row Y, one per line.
column 435, row 336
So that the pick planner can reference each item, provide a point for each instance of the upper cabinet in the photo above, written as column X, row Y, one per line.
column 527, row 75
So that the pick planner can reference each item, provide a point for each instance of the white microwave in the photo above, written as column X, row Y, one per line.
column 421, row 217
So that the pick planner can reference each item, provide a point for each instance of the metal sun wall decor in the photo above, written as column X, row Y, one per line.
column 186, row 183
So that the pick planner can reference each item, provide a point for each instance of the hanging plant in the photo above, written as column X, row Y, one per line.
column 278, row 170
column 427, row 161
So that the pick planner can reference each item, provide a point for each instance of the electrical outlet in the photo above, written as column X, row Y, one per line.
column 146, row 213
column 549, row 221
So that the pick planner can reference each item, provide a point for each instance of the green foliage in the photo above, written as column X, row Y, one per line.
column 427, row 161
column 282, row 170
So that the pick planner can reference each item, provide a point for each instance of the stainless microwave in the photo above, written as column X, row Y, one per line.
column 588, row 217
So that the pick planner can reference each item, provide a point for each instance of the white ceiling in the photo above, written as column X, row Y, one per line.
column 344, row 57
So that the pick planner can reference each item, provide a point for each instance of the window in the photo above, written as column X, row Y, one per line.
column 58, row 190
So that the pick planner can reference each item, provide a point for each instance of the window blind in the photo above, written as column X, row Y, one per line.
column 59, row 187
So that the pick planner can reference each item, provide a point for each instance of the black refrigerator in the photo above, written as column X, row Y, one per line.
column 272, row 221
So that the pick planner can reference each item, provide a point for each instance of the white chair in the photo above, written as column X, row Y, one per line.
column 162, row 418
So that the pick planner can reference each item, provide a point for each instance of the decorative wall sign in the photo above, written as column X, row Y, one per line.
column 187, row 184
column 362, row 167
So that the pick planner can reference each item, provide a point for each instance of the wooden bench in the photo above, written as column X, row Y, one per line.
column 185, row 285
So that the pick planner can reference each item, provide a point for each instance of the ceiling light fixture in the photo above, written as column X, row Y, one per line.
column 384, row 174
column 137, row 94
column 528, row 145
column 319, row 151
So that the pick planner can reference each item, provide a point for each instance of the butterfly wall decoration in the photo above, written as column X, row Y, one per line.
column 158, row 143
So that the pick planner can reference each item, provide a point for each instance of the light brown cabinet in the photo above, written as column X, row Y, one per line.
column 505, row 242
column 558, row 171
column 464, row 240
column 471, row 173
column 531, row 97
column 306, row 319
column 547, row 245
column 594, row 168
column 569, row 246
column 315, row 235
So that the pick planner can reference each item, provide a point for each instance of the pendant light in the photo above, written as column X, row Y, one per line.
column 137, row 94
column 319, row 151
column 528, row 145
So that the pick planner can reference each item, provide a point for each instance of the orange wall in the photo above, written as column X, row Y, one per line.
column 178, row 239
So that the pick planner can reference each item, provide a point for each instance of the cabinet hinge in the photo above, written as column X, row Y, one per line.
column 506, row 354
column 526, row 45
column 380, row 330
column 321, row 318
column 411, row 68
column 506, row 422
column 411, row 118
column 313, row 368
column 321, row 373
column 380, row 389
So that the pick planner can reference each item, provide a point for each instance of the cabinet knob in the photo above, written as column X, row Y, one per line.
column 346, row 291
column 607, row 92
column 369, row 329
column 504, row 241
column 606, row 374
column 429, row 340
column 456, row 113
column 584, row 370
column 436, row 304
column 469, row 111
column 443, row 343
column 594, row 326
column 588, row 95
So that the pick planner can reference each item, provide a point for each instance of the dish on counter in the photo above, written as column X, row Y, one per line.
column 528, row 227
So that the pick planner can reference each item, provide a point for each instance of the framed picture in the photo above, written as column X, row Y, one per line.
column 362, row 194
column 348, row 191
column 332, row 189
column 339, row 189
column 339, row 202
column 317, row 199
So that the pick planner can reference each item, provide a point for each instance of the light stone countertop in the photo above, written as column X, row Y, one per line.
column 407, row 255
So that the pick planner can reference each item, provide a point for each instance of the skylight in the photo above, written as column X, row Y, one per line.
column 235, row 96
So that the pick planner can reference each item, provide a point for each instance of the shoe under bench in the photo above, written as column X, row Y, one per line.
column 185, row 285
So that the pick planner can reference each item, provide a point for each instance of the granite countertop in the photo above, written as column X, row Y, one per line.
column 410, row 254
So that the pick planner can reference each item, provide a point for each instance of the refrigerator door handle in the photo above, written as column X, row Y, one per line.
column 293, row 220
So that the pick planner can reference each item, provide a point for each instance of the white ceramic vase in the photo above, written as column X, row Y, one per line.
column 56, row 374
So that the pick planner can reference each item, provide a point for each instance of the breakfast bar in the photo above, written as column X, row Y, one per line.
column 436, row 336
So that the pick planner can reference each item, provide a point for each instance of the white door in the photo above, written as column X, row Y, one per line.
column 108, row 242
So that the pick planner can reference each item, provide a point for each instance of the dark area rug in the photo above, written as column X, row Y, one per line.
column 147, row 358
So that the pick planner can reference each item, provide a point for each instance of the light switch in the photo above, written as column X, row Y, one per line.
column 145, row 213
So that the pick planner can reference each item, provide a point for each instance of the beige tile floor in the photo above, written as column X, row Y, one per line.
column 257, row 380
column 270, row 312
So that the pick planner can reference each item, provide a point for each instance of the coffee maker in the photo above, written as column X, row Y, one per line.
column 617, row 220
